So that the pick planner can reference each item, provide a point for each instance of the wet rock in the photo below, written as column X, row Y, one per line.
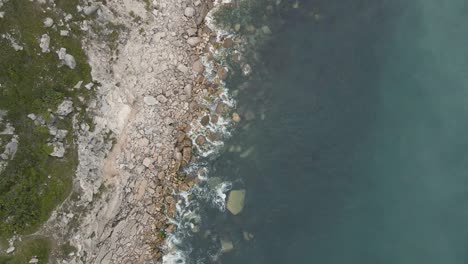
column 205, row 120
column 222, row 73
column 198, row 67
column 226, row 245
column 44, row 43
column 220, row 108
column 193, row 41
column 235, row 117
column 214, row 119
column 200, row 140
column 235, row 201
column 189, row 12
column 65, row 108
column 228, row 43
column 48, row 22
column 247, row 236
column 266, row 30
column 59, row 149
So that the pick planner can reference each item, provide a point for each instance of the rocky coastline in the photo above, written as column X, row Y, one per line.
column 150, row 92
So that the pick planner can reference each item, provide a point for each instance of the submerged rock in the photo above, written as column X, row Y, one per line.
column 235, row 201
column 226, row 245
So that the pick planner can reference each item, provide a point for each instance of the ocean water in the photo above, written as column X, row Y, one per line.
column 355, row 140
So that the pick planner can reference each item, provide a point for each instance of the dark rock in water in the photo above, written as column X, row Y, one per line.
column 200, row 140
column 214, row 119
column 222, row 73
column 228, row 43
column 220, row 108
column 213, row 136
column 205, row 120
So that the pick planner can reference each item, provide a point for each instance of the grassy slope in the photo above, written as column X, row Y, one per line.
column 33, row 82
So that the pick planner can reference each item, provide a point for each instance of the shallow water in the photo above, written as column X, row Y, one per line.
column 362, row 154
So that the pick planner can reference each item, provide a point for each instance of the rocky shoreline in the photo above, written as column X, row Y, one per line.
column 150, row 90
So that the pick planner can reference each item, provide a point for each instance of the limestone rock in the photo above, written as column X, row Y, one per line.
column 193, row 41
column 70, row 61
column 48, row 22
column 198, row 67
column 189, row 12
column 182, row 68
column 59, row 149
column 44, row 43
column 65, row 108
column 235, row 201
column 147, row 162
column 89, row 10
column 150, row 100
column 10, row 250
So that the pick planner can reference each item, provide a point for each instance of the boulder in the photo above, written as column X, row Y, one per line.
column 235, row 117
column 189, row 12
column 48, row 22
column 198, row 67
column 205, row 120
column 44, row 43
column 89, row 10
column 70, row 61
column 193, row 41
column 235, row 201
column 200, row 140
column 150, row 100
column 147, row 162
column 59, row 149
column 65, row 108
column 10, row 250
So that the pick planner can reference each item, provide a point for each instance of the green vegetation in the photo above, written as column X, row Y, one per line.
column 34, row 82
column 27, row 249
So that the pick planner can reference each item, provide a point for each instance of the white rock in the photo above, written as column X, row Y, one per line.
column 150, row 100
column 70, row 61
column 44, row 43
column 235, row 201
column 147, row 162
column 10, row 250
column 161, row 98
column 193, row 41
column 189, row 12
column 48, row 22
column 64, row 33
column 61, row 53
column 65, row 108
column 59, row 149
column 32, row 116
column 182, row 68
column 34, row 260
column 89, row 86
column 78, row 85
column 89, row 10
column 2, row 14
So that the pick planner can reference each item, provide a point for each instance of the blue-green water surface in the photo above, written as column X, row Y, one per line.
column 362, row 156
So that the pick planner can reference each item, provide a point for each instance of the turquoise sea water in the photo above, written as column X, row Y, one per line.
column 363, row 153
